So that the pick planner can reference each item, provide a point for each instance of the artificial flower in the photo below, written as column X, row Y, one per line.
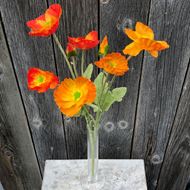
column 72, row 94
column 87, row 42
column 40, row 80
column 143, row 39
column 103, row 50
column 70, row 50
column 47, row 23
column 113, row 63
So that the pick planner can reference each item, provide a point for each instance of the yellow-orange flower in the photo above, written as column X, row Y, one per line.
column 113, row 63
column 103, row 50
column 72, row 94
column 40, row 80
column 143, row 38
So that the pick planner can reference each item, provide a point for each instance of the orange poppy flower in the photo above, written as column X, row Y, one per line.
column 47, row 23
column 87, row 42
column 72, row 94
column 70, row 50
column 143, row 38
column 103, row 50
column 113, row 63
column 41, row 80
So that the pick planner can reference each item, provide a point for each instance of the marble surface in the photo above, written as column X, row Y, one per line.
column 114, row 175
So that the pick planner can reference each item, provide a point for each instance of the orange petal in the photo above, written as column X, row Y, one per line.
column 92, row 36
column 132, row 49
column 154, row 53
column 144, row 30
column 69, row 112
column 162, row 45
column 104, row 46
column 54, row 10
column 131, row 34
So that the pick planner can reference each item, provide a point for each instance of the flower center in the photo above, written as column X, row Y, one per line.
column 112, row 64
column 77, row 95
column 40, row 79
column 48, row 23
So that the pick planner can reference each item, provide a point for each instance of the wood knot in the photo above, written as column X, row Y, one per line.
column 104, row 1
column 124, row 23
column 123, row 124
column 109, row 126
column 156, row 159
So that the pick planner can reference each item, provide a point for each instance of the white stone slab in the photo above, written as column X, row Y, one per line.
column 117, row 174
column 1, row 187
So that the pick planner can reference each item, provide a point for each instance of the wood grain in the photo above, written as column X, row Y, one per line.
column 44, row 118
column 118, row 123
column 175, row 172
column 19, row 169
column 79, row 18
column 161, row 84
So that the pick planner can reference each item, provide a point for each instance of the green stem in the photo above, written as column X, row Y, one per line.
column 74, row 66
column 92, row 152
column 64, row 54
column 82, row 62
column 104, row 85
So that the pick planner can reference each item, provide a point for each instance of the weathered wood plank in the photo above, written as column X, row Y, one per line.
column 19, row 169
column 161, row 84
column 118, row 123
column 79, row 18
column 175, row 172
column 44, row 118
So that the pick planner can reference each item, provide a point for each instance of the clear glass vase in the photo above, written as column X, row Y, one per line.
column 92, row 178
column 93, row 148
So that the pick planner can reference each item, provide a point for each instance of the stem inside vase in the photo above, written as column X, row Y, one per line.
column 93, row 155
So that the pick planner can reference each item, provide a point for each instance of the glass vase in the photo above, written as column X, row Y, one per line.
column 93, row 148
column 92, row 178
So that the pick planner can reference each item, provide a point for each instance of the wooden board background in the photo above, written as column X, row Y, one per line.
column 151, row 123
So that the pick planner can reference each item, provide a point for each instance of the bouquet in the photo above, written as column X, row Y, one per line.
column 79, row 96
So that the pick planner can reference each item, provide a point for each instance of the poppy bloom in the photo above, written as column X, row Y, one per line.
column 113, row 63
column 72, row 94
column 103, row 50
column 87, row 42
column 143, row 38
column 47, row 23
column 40, row 80
column 70, row 50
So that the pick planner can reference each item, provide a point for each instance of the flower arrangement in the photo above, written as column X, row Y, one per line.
column 79, row 96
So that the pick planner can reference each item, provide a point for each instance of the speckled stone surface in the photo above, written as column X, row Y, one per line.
column 114, row 175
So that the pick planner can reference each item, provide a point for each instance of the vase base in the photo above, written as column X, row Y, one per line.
column 98, row 184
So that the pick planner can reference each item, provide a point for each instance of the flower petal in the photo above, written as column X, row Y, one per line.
column 144, row 30
column 46, row 24
column 40, row 80
column 113, row 63
column 132, row 49
column 93, row 36
column 154, row 53
column 131, row 34
column 72, row 94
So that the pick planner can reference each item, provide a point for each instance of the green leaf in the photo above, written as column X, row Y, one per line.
column 88, row 72
column 119, row 93
column 115, row 95
column 99, row 87
column 108, row 101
